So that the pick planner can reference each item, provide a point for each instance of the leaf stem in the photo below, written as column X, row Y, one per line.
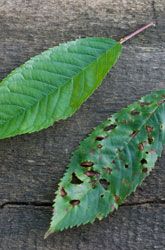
column 126, row 38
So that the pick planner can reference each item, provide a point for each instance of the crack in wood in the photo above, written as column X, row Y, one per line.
column 26, row 204
column 154, row 12
column 49, row 204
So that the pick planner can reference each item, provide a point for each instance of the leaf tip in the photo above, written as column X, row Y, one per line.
column 47, row 234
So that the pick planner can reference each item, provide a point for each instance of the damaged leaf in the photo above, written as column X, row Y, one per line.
column 131, row 141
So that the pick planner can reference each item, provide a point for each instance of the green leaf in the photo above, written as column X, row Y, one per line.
column 110, row 163
column 52, row 86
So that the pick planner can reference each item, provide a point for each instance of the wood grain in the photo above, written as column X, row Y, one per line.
column 132, row 228
column 29, row 161
column 31, row 165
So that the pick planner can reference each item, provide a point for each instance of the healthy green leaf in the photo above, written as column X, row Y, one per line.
column 52, row 86
column 111, row 163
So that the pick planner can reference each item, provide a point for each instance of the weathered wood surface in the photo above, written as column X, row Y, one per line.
column 138, row 227
column 31, row 165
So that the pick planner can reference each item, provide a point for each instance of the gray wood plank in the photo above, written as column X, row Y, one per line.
column 28, row 27
column 130, row 228
column 31, row 165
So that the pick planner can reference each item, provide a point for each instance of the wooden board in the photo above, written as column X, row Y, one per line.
column 31, row 165
column 131, row 228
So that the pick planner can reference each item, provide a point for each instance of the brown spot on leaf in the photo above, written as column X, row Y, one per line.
column 149, row 129
column 141, row 146
column 117, row 198
column 104, row 183
column 134, row 133
column 92, row 173
column 87, row 164
column 108, row 170
column 99, row 146
column 63, row 192
column 75, row 179
column 144, row 103
column 135, row 112
column 74, row 202
column 110, row 127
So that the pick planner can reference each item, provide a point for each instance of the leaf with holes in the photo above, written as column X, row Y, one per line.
column 111, row 163
column 52, row 86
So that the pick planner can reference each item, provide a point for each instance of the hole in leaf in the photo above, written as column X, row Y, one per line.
column 141, row 146
column 102, row 195
column 147, row 152
column 87, row 164
column 74, row 202
column 143, row 161
column 99, row 146
column 134, row 133
column 104, row 183
column 149, row 129
column 91, row 173
column 126, row 165
column 75, row 179
column 63, row 192
column 110, row 127
column 150, row 140
column 100, row 138
column 135, row 112
column 144, row 170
